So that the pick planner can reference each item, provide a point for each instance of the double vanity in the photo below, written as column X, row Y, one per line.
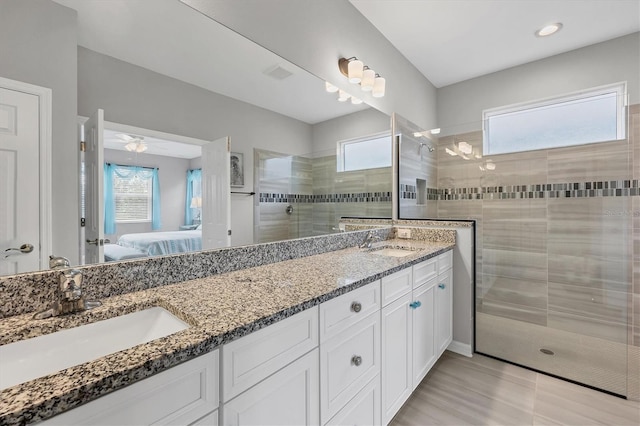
column 336, row 337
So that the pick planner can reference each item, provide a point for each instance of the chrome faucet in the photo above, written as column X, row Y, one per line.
column 69, row 297
column 369, row 239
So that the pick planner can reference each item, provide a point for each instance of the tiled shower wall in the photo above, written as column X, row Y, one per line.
column 558, row 254
column 317, row 194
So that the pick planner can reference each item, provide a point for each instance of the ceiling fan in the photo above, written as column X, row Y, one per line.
column 134, row 143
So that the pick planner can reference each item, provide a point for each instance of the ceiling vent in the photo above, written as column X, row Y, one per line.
column 278, row 72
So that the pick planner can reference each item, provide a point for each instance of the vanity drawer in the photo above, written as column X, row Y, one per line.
column 425, row 271
column 348, row 362
column 445, row 261
column 342, row 312
column 396, row 285
column 254, row 357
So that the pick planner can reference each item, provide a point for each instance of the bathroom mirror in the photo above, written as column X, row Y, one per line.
column 197, row 79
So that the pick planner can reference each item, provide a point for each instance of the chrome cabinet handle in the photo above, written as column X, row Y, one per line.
column 441, row 285
column 356, row 307
column 356, row 360
column 415, row 305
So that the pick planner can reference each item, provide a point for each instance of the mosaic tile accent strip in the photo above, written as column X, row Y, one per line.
column 614, row 188
column 358, row 197
column 410, row 192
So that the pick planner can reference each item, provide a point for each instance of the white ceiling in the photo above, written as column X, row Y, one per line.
column 173, row 39
column 454, row 40
column 155, row 146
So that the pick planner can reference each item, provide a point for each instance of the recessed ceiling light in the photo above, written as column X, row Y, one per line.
column 549, row 29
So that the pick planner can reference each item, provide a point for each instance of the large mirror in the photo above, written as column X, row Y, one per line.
column 166, row 75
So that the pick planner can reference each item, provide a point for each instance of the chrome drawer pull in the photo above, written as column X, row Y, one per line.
column 356, row 360
column 415, row 305
column 356, row 307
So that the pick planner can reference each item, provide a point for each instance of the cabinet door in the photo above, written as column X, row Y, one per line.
column 424, row 345
column 444, row 311
column 289, row 397
column 363, row 409
column 396, row 356
column 348, row 362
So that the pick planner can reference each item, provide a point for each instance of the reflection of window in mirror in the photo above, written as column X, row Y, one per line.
column 133, row 199
column 371, row 152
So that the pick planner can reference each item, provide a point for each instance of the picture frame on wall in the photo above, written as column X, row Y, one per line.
column 237, row 169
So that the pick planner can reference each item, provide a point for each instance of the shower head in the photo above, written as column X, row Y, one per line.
column 429, row 147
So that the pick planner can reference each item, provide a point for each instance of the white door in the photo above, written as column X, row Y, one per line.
column 19, row 182
column 94, row 181
column 216, row 195
column 444, row 311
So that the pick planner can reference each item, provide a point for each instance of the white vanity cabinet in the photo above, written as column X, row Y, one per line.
column 350, row 357
column 184, row 395
column 271, row 376
column 416, row 329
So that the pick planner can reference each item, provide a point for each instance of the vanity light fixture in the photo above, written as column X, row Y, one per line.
column 355, row 100
column 549, row 30
column 361, row 74
column 435, row 131
column 450, row 152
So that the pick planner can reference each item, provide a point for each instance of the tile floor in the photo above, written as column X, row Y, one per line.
column 483, row 391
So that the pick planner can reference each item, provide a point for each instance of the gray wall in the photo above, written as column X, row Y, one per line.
column 172, row 174
column 136, row 96
column 460, row 105
column 315, row 34
column 38, row 46
column 325, row 135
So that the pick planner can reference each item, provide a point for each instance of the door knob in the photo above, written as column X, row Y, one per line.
column 356, row 360
column 98, row 242
column 25, row 248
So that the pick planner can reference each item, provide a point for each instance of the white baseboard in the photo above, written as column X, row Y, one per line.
column 460, row 348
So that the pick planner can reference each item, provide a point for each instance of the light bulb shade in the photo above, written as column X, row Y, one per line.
column 343, row 96
column 356, row 101
column 378, row 87
column 136, row 146
column 368, row 77
column 465, row 147
column 330, row 87
column 196, row 202
column 356, row 69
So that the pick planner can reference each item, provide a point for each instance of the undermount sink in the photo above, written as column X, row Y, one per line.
column 43, row 355
column 393, row 251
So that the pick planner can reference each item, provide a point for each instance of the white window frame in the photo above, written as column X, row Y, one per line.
column 619, row 88
column 340, row 155
column 149, row 182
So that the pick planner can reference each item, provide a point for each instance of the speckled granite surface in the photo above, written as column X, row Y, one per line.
column 31, row 292
column 219, row 308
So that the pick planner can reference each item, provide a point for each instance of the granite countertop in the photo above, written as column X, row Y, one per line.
column 219, row 309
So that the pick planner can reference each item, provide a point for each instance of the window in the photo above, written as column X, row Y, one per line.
column 595, row 115
column 372, row 152
column 131, row 194
column 133, row 198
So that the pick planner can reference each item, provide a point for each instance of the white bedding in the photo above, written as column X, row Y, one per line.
column 159, row 243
